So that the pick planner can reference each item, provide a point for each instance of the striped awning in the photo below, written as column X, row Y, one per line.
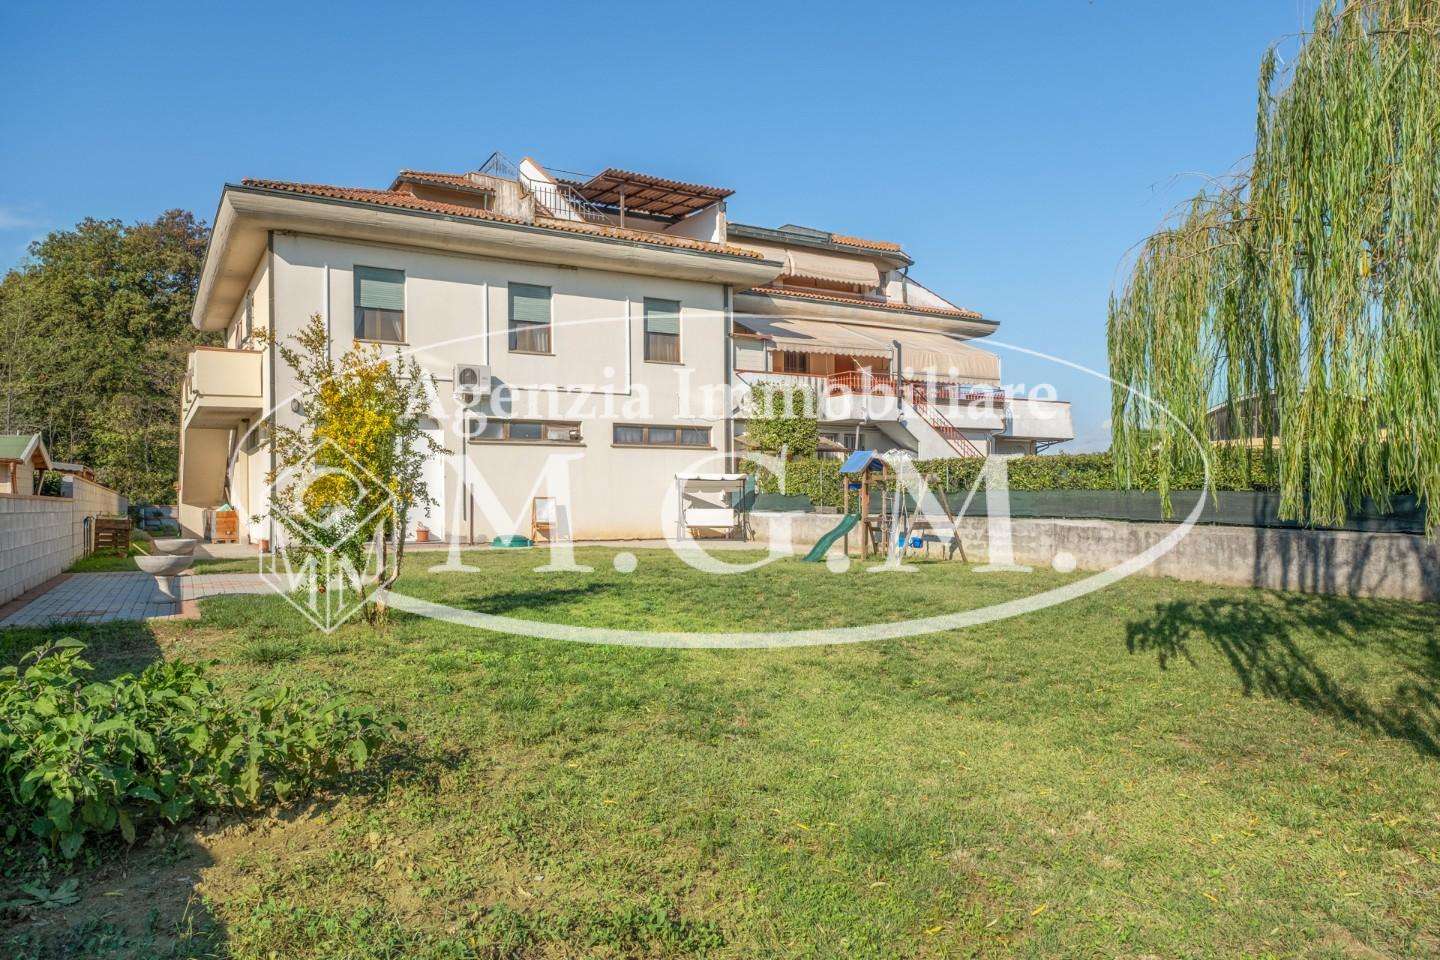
column 818, row 265
column 923, row 352
column 816, row 336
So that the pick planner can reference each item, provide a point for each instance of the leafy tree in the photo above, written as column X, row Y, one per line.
column 783, row 421
column 94, row 332
column 357, row 459
column 1306, row 290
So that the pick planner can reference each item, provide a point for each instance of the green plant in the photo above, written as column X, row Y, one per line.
column 783, row 421
column 1231, row 468
column 38, row 896
column 1302, row 295
column 79, row 760
column 363, row 422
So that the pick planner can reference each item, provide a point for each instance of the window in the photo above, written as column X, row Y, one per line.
column 248, row 327
column 529, row 318
column 524, row 431
column 635, row 435
column 795, row 362
column 662, row 330
column 379, row 304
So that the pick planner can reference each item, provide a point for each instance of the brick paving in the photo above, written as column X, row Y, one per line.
column 104, row 597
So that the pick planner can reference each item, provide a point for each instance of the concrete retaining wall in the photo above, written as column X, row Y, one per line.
column 40, row 537
column 1341, row 562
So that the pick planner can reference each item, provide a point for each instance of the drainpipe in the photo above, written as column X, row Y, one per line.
column 270, row 297
column 729, row 431
column 899, row 379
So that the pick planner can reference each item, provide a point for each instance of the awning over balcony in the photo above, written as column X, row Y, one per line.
column 818, row 265
column 939, row 355
column 921, row 352
column 816, row 336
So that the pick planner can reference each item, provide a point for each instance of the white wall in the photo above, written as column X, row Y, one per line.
column 457, row 312
column 40, row 537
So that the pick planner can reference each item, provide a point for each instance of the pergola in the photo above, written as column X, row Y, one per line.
column 643, row 193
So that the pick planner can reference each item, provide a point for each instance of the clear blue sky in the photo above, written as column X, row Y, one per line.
column 1017, row 149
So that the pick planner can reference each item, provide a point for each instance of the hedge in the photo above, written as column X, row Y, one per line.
column 1231, row 469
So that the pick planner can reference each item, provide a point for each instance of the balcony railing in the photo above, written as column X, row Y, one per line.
column 866, row 383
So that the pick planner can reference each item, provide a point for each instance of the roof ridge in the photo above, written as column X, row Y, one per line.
column 392, row 198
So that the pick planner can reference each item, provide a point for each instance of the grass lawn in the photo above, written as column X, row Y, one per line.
column 1158, row 769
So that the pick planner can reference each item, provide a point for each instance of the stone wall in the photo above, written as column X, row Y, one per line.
column 1340, row 562
column 40, row 537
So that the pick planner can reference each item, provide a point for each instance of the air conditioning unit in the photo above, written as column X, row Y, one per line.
column 472, row 383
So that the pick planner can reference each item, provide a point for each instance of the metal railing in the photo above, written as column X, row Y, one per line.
column 555, row 200
column 563, row 203
column 500, row 166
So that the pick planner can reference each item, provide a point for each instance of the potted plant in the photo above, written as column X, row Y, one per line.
column 422, row 533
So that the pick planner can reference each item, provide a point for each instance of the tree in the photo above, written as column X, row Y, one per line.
column 1306, row 290
column 94, row 333
column 358, row 456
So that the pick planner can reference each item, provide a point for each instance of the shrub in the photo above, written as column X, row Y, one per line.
column 1231, row 469
column 81, row 760
column 783, row 419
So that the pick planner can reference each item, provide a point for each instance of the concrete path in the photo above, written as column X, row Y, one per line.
column 105, row 597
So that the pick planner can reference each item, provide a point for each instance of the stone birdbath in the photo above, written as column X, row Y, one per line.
column 172, row 557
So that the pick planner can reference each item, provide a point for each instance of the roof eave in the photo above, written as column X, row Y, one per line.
column 970, row 326
column 897, row 257
column 247, row 213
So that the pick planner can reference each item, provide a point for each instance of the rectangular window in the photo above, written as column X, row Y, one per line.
column 795, row 362
column 529, row 318
column 662, row 330
column 249, row 322
column 525, row 431
column 379, row 304
column 635, row 435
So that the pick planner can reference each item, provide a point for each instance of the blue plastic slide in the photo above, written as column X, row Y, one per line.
column 822, row 546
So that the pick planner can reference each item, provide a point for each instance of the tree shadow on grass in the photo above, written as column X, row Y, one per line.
column 121, row 646
column 534, row 601
column 1271, row 641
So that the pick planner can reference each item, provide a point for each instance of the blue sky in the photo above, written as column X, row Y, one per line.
column 1017, row 149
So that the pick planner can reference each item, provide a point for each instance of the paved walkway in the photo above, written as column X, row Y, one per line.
column 104, row 597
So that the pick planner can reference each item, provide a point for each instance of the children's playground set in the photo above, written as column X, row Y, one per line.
column 892, row 509
column 889, row 508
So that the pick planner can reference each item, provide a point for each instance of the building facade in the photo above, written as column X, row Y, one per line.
column 589, row 338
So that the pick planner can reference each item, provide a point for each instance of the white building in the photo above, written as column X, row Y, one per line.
column 613, row 319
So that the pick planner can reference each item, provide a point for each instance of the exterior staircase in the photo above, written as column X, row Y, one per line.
column 935, row 417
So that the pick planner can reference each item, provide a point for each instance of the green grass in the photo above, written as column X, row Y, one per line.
column 108, row 561
column 1158, row 769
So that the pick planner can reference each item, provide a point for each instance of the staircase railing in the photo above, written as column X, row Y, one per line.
column 919, row 398
column 562, row 202
column 555, row 200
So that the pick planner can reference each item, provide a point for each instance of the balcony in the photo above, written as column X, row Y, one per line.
column 221, row 387
column 839, row 403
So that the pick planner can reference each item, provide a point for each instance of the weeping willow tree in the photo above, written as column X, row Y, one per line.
column 1303, row 295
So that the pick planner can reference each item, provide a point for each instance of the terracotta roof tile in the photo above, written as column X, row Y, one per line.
column 863, row 302
column 444, row 179
column 391, row 198
column 680, row 185
column 867, row 244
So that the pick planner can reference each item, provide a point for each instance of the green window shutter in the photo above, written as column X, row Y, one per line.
column 662, row 316
column 529, row 303
column 377, row 288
